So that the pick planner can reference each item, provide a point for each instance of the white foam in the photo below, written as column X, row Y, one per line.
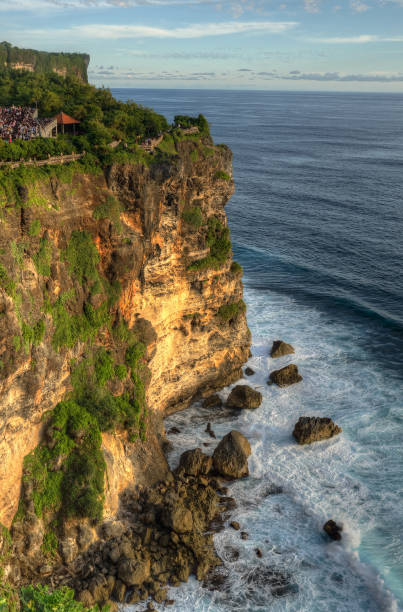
column 339, row 479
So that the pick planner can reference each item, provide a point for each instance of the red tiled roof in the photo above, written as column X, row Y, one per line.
column 64, row 119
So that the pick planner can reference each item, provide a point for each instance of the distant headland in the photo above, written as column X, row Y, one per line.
column 40, row 61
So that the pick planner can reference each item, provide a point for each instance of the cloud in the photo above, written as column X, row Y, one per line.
column 356, row 40
column 359, row 7
column 295, row 75
column 111, row 32
column 131, row 75
column 312, row 6
column 33, row 5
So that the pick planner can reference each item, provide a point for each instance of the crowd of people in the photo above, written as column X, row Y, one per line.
column 18, row 122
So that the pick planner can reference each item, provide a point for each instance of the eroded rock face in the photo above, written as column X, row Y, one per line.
column 230, row 458
column 314, row 429
column 280, row 348
column 285, row 377
column 195, row 462
column 190, row 351
column 243, row 396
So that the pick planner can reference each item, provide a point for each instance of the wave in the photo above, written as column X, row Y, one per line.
column 330, row 291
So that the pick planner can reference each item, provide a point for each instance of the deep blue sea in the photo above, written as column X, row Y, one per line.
column 317, row 224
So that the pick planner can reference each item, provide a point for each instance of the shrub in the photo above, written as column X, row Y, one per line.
column 221, row 175
column 32, row 335
column 218, row 239
column 82, row 256
column 75, row 489
column 109, row 209
column 185, row 121
column 104, row 367
column 193, row 216
column 40, row 599
column 228, row 312
column 43, row 258
column 236, row 268
column 69, row 328
column 121, row 371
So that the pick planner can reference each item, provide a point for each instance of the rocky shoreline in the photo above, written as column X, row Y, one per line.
column 164, row 533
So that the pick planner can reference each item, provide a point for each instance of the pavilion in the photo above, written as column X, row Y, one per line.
column 66, row 123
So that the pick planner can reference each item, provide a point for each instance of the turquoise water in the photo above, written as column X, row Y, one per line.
column 317, row 223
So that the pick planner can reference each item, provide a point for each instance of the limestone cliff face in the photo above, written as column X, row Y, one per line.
column 170, row 215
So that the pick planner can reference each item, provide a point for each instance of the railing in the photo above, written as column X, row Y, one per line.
column 50, row 161
column 152, row 143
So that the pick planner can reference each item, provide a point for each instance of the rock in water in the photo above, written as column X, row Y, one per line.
column 195, row 462
column 230, row 458
column 333, row 530
column 286, row 376
column 249, row 371
column 314, row 429
column 280, row 348
column 210, row 431
column 243, row 396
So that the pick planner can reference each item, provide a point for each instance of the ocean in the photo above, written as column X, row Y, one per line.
column 317, row 224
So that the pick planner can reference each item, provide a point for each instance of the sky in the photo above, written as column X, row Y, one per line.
column 333, row 45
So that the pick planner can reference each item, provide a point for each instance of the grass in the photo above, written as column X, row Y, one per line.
column 70, row 328
column 218, row 239
column 109, row 209
column 76, row 488
column 167, row 145
column 40, row 599
column 230, row 312
column 6, row 283
column 221, row 175
column 43, row 258
column 32, row 335
column 35, row 228
column 193, row 216
column 82, row 257
column 18, row 252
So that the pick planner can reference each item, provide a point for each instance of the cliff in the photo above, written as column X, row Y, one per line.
column 119, row 303
column 40, row 61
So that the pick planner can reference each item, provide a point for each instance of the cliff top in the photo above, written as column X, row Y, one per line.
column 41, row 61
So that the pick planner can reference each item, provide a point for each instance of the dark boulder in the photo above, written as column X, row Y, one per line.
column 243, row 396
column 195, row 462
column 286, row 376
column 280, row 348
column 333, row 530
column 230, row 458
column 248, row 371
column 134, row 572
column 314, row 429
column 178, row 518
column 213, row 401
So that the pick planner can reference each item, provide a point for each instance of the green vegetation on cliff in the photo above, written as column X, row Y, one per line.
column 40, row 599
column 230, row 312
column 42, row 61
column 103, row 118
column 218, row 239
